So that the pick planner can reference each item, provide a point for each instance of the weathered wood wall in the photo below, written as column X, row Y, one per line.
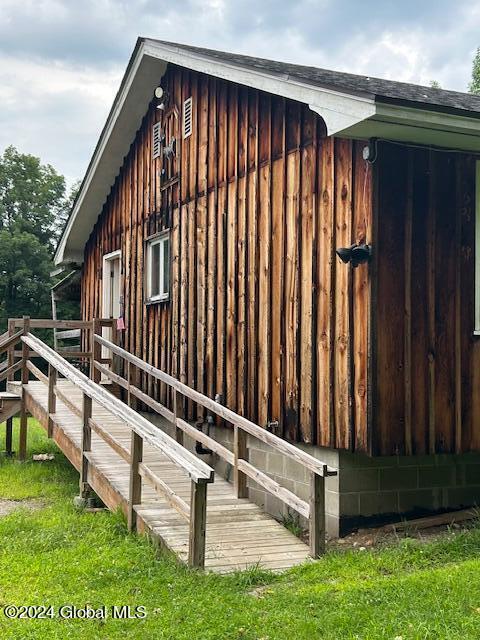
column 261, row 311
column 426, row 379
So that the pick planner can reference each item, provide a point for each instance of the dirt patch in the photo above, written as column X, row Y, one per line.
column 7, row 506
column 371, row 538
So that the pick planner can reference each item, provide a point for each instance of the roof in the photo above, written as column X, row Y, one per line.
column 368, row 86
column 351, row 106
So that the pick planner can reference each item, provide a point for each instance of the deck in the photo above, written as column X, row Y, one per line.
column 239, row 534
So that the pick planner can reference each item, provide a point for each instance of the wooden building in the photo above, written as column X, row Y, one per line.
column 208, row 222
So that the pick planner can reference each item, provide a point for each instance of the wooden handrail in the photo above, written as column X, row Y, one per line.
column 198, row 470
column 41, row 323
column 314, row 510
column 10, row 370
column 308, row 461
column 10, row 341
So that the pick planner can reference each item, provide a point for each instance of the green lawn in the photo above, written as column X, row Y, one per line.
column 57, row 556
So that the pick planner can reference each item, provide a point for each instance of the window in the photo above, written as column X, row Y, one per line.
column 187, row 117
column 158, row 268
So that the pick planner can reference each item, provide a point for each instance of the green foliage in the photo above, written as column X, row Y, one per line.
column 32, row 196
column 474, row 86
column 57, row 555
column 435, row 84
column 33, row 207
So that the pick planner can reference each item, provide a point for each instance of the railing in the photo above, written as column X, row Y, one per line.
column 314, row 510
column 142, row 431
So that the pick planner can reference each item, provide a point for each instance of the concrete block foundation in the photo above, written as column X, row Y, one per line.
column 367, row 490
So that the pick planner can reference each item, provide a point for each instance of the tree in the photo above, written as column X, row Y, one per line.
column 474, row 86
column 435, row 84
column 33, row 203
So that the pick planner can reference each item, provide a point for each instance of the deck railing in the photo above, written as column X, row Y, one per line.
column 314, row 510
column 142, row 431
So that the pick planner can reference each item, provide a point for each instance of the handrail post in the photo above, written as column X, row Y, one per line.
column 95, row 375
column 22, row 445
column 198, row 524
column 114, row 335
column 52, row 398
column 178, row 412
column 135, row 488
column 317, row 515
column 240, row 452
column 11, row 350
column 10, row 376
column 129, row 394
column 86, row 445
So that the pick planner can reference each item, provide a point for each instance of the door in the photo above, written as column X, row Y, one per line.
column 110, row 293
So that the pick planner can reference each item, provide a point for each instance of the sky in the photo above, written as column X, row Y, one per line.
column 61, row 61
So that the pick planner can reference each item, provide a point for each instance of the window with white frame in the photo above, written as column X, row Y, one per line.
column 158, row 268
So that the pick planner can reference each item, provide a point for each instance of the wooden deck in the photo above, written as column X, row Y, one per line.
column 238, row 533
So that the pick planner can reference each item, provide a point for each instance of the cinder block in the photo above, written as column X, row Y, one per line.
column 378, row 503
column 420, row 499
column 438, row 476
column 472, row 474
column 358, row 480
column 288, row 484
column 257, row 496
column 332, row 526
column 258, row 458
column 302, row 490
column 398, row 478
column 362, row 460
column 295, row 471
column 332, row 502
column 275, row 464
column 417, row 461
column 274, row 506
column 349, row 504
column 463, row 497
column 328, row 456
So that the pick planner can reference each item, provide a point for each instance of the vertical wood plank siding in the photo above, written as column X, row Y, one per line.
column 261, row 311
column 426, row 395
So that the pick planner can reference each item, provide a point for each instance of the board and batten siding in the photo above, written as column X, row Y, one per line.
column 426, row 380
column 261, row 311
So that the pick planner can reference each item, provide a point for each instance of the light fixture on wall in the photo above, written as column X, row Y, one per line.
column 355, row 254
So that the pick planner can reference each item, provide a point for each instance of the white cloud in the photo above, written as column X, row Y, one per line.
column 61, row 61
column 54, row 111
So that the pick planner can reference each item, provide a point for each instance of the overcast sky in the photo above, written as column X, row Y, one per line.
column 61, row 60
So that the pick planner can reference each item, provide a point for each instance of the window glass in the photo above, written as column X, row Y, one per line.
column 158, row 268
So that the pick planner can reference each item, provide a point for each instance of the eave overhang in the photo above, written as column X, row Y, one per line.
column 344, row 114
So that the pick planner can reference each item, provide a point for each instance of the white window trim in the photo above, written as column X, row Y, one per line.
column 163, row 237
column 477, row 249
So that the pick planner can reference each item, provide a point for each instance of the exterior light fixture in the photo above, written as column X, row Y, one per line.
column 355, row 254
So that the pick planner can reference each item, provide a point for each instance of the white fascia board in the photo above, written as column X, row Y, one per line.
column 420, row 126
column 339, row 110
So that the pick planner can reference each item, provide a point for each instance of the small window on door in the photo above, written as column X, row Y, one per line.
column 158, row 268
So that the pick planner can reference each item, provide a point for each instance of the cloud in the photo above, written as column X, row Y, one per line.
column 61, row 60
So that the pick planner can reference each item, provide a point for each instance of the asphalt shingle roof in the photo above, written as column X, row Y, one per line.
column 381, row 90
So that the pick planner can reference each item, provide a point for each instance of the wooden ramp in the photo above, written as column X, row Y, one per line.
column 238, row 533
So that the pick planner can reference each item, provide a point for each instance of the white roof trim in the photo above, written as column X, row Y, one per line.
column 354, row 116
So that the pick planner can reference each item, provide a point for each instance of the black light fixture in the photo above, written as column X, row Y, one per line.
column 355, row 254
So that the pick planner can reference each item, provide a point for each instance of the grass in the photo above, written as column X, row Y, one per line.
column 59, row 556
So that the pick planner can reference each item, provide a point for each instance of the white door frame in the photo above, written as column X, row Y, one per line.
column 107, row 293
